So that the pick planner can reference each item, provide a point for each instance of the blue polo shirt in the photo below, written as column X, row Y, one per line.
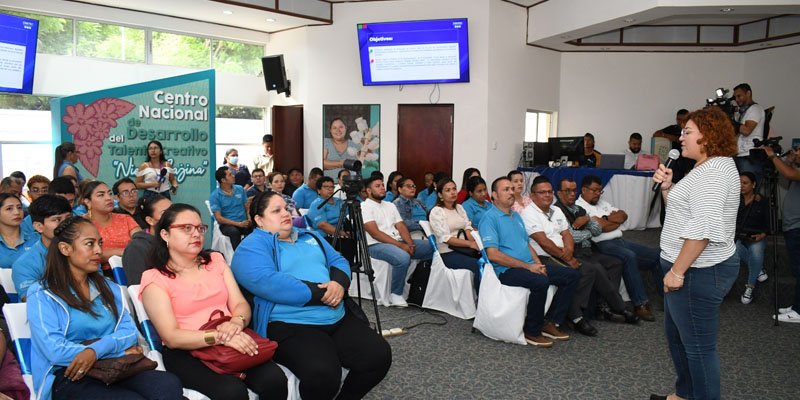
column 11, row 252
column 328, row 213
column 29, row 268
column 506, row 232
column 475, row 211
column 389, row 196
column 304, row 196
column 27, row 226
column 231, row 206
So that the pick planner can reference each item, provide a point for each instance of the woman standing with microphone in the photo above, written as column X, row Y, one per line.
column 156, row 175
column 698, row 254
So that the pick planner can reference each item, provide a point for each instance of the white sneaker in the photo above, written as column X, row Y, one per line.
column 791, row 316
column 785, row 310
column 395, row 300
column 763, row 276
column 747, row 296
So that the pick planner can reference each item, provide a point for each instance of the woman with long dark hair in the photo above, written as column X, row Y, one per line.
column 116, row 229
column 156, row 175
column 134, row 258
column 478, row 202
column 447, row 219
column 752, row 225
column 66, row 157
column 277, row 182
column 299, row 282
column 184, row 286
column 518, row 182
column 463, row 194
column 13, row 239
column 392, row 190
column 74, row 305
column 239, row 171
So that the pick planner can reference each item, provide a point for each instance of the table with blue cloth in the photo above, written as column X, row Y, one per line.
column 628, row 190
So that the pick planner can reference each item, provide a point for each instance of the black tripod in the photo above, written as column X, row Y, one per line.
column 350, row 214
column 769, row 186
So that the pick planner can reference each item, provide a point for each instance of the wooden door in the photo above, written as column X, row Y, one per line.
column 424, row 140
column 287, row 132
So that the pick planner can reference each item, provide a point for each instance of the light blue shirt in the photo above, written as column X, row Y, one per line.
column 231, row 206
column 428, row 199
column 506, row 232
column 27, row 226
column 11, row 252
column 389, row 196
column 29, row 268
column 475, row 211
column 304, row 196
column 328, row 213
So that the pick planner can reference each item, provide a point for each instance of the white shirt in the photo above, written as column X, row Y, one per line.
column 446, row 223
column 385, row 215
column 631, row 157
column 552, row 223
column 745, row 143
column 599, row 210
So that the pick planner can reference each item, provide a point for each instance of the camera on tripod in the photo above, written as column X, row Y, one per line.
column 726, row 103
column 759, row 154
column 352, row 184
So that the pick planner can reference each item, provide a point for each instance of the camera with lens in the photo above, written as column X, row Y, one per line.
column 726, row 104
column 759, row 154
column 352, row 183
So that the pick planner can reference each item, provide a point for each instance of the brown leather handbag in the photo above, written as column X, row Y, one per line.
column 110, row 370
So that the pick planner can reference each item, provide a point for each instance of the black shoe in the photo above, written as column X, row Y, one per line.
column 657, row 397
column 630, row 317
column 608, row 315
column 585, row 328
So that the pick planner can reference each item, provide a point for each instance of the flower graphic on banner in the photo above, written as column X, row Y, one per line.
column 90, row 126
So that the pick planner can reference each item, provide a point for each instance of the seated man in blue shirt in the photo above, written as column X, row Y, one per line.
column 323, row 218
column 306, row 193
column 411, row 209
column 227, row 203
column 46, row 212
column 516, row 264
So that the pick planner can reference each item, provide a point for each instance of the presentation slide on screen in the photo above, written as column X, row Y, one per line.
column 414, row 62
column 17, row 53
column 12, row 63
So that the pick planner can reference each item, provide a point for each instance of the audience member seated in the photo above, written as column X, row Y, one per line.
column 478, row 203
column 325, row 217
column 12, row 186
column 185, row 285
column 307, row 192
column 259, row 183
column 392, row 189
column 299, row 282
column 66, row 156
column 127, row 198
column 610, row 242
column 156, row 175
column 37, row 186
column 116, row 229
column 239, row 171
column 583, row 229
column 63, row 187
column 14, row 241
column 74, row 305
column 265, row 161
column 295, row 180
column 518, row 183
column 19, row 176
column 516, row 264
column 591, row 157
column 12, row 386
column 752, row 225
column 134, row 258
column 673, row 132
column 388, row 238
column 633, row 151
column 339, row 188
column 227, row 203
column 447, row 219
column 428, row 195
column 463, row 193
column 410, row 208
column 277, row 183
column 46, row 213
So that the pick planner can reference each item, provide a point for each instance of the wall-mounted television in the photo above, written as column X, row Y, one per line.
column 17, row 53
column 414, row 52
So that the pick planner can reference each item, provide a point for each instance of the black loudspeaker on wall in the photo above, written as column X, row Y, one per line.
column 275, row 74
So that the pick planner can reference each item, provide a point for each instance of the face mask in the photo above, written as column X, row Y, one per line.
column 233, row 160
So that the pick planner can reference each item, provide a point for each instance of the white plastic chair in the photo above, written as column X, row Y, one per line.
column 449, row 290
column 219, row 242
column 383, row 282
column 8, row 284
column 17, row 319
column 502, row 309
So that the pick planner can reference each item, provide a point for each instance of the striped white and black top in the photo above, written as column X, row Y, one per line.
column 701, row 206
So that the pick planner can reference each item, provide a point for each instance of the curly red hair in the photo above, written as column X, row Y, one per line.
column 719, row 138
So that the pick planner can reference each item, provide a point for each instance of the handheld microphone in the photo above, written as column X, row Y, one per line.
column 673, row 155
column 162, row 176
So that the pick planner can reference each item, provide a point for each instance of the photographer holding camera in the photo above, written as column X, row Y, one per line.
column 790, row 169
column 750, row 127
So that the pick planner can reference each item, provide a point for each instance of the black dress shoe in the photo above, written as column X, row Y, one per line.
column 630, row 317
column 609, row 315
column 657, row 397
column 585, row 328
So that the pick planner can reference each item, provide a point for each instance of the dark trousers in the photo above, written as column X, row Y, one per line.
column 234, row 233
column 150, row 385
column 595, row 276
column 456, row 260
column 317, row 353
column 267, row 380
column 565, row 278
column 792, row 238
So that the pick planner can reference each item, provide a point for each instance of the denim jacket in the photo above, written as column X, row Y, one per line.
column 412, row 211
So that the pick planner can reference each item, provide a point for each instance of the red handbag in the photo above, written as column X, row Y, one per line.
column 227, row 360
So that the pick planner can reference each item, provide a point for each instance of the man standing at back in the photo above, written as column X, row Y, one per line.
column 265, row 161
column 751, row 126
column 516, row 264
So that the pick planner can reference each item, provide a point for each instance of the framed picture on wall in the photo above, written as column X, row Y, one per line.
column 351, row 132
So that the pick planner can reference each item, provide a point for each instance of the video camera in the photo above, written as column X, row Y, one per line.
column 759, row 154
column 352, row 183
column 726, row 103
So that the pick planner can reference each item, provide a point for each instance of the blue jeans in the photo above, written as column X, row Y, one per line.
column 399, row 260
column 691, row 319
column 565, row 278
column 150, row 385
column 752, row 253
column 793, row 248
column 634, row 256
column 456, row 260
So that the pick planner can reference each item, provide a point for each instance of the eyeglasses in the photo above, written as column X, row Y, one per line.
column 544, row 192
column 595, row 190
column 128, row 193
column 410, row 186
column 37, row 190
column 189, row 228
